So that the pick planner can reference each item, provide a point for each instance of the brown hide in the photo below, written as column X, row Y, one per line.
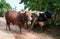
column 15, row 18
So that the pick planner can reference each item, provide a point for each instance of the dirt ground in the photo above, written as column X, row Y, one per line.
column 14, row 33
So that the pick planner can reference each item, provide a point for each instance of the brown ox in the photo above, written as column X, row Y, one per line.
column 16, row 18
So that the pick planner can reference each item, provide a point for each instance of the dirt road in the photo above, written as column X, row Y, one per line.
column 14, row 34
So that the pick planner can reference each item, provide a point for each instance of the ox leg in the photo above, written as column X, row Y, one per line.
column 31, row 27
column 8, row 26
column 27, row 25
column 41, row 28
column 20, row 29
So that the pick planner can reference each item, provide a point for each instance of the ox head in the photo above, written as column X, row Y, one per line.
column 49, row 14
column 28, row 16
column 24, row 17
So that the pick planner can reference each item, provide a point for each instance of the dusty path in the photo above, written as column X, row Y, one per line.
column 16, row 35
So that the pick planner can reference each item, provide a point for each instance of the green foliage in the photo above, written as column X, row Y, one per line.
column 4, row 7
column 40, row 5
